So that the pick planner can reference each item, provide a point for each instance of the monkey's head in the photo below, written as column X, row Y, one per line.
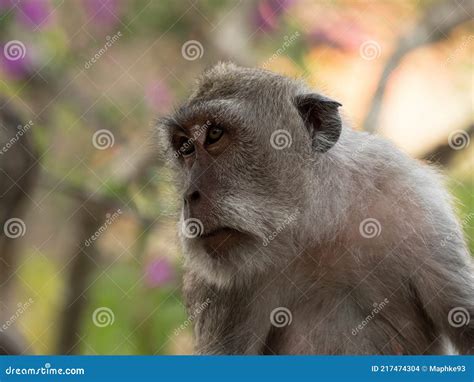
column 244, row 146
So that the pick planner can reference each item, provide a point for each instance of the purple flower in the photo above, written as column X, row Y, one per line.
column 268, row 11
column 159, row 272
column 34, row 13
column 104, row 13
column 14, row 60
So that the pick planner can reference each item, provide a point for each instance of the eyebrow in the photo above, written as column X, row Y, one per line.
column 169, row 122
column 198, row 112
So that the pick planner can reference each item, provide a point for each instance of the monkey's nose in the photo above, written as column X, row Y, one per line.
column 191, row 197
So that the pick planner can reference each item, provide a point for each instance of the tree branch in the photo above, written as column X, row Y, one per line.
column 444, row 153
column 438, row 21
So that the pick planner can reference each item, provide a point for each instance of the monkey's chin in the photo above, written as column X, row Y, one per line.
column 237, row 260
column 221, row 241
column 226, row 258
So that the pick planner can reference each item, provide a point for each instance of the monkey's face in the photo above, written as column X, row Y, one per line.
column 233, row 189
column 242, row 178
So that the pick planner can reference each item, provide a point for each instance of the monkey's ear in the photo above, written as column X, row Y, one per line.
column 321, row 118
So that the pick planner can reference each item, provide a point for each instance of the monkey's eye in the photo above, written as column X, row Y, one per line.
column 214, row 134
column 186, row 147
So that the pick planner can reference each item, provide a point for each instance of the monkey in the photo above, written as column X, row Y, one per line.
column 306, row 236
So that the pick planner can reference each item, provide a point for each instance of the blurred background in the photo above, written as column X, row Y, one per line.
column 89, row 258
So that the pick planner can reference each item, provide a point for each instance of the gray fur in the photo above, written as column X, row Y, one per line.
column 319, row 265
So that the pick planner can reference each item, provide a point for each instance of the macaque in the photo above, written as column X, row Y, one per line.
column 308, row 237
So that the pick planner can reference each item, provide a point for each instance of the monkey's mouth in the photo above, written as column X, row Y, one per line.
column 217, row 232
column 221, row 239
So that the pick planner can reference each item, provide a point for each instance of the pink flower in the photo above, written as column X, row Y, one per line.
column 34, row 13
column 15, row 63
column 268, row 11
column 159, row 96
column 159, row 273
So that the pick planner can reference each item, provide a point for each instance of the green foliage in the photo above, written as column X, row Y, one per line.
column 140, row 313
column 464, row 192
